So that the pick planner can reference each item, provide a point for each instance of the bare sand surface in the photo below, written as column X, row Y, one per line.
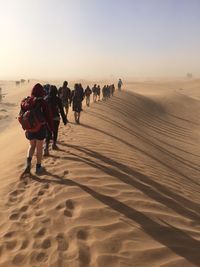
column 123, row 190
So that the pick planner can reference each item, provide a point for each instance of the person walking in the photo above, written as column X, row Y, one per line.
column 65, row 96
column 76, row 99
column 88, row 93
column 56, row 109
column 35, row 118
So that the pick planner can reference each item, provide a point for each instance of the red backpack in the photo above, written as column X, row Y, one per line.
column 31, row 116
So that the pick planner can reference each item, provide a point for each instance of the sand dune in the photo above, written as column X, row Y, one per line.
column 123, row 190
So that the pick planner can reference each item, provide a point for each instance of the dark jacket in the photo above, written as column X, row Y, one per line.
column 55, row 104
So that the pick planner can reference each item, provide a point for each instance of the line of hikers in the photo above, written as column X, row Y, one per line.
column 40, row 115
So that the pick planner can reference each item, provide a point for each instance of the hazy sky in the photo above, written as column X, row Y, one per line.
column 94, row 39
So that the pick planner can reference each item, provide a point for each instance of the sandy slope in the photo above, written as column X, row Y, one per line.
column 123, row 190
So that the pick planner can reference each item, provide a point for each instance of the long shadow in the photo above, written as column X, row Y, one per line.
column 149, row 187
column 145, row 184
column 130, row 171
column 170, row 167
column 147, row 141
column 176, row 240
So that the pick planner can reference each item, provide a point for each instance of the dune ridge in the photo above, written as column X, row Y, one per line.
column 123, row 190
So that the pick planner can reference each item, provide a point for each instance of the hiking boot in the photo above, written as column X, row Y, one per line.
column 27, row 167
column 39, row 170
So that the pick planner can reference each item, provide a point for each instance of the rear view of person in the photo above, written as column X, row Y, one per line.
column 120, row 84
column 98, row 92
column 94, row 90
column 65, row 96
column 56, row 108
column 88, row 93
column 35, row 117
column 76, row 99
column 112, row 89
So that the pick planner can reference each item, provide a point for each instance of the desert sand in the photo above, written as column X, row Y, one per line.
column 122, row 191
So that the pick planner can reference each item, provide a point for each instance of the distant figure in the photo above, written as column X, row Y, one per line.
column 107, row 91
column 65, row 96
column 120, row 84
column 98, row 92
column 56, row 109
column 77, row 97
column 17, row 83
column 94, row 90
column 112, row 89
column 189, row 75
column 22, row 81
column 88, row 93
column 104, row 93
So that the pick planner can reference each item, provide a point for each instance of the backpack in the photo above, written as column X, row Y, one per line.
column 31, row 116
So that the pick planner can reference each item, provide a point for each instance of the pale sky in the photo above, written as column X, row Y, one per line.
column 99, row 39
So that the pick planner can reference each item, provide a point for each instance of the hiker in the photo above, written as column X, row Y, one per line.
column 107, row 92
column 112, row 89
column 88, row 92
column 94, row 90
column 104, row 93
column 119, row 84
column 65, row 96
column 98, row 92
column 56, row 108
column 76, row 99
column 35, row 117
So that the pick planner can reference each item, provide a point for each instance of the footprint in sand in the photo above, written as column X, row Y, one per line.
column 24, row 244
column 46, row 220
column 11, row 244
column 14, row 216
column 23, row 209
column 82, row 235
column 62, row 243
column 37, row 258
column 19, row 259
column 41, row 192
column 39, row 213
column 65, row 173
column 84, row 254
column 9, row 234
column 40, row 233
column 33, row 200
column 69, row 208
column 69, row 204
column 17, row 192
column 45, row 186
column 46, row 243
column 24, row 216
column 12, row 199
